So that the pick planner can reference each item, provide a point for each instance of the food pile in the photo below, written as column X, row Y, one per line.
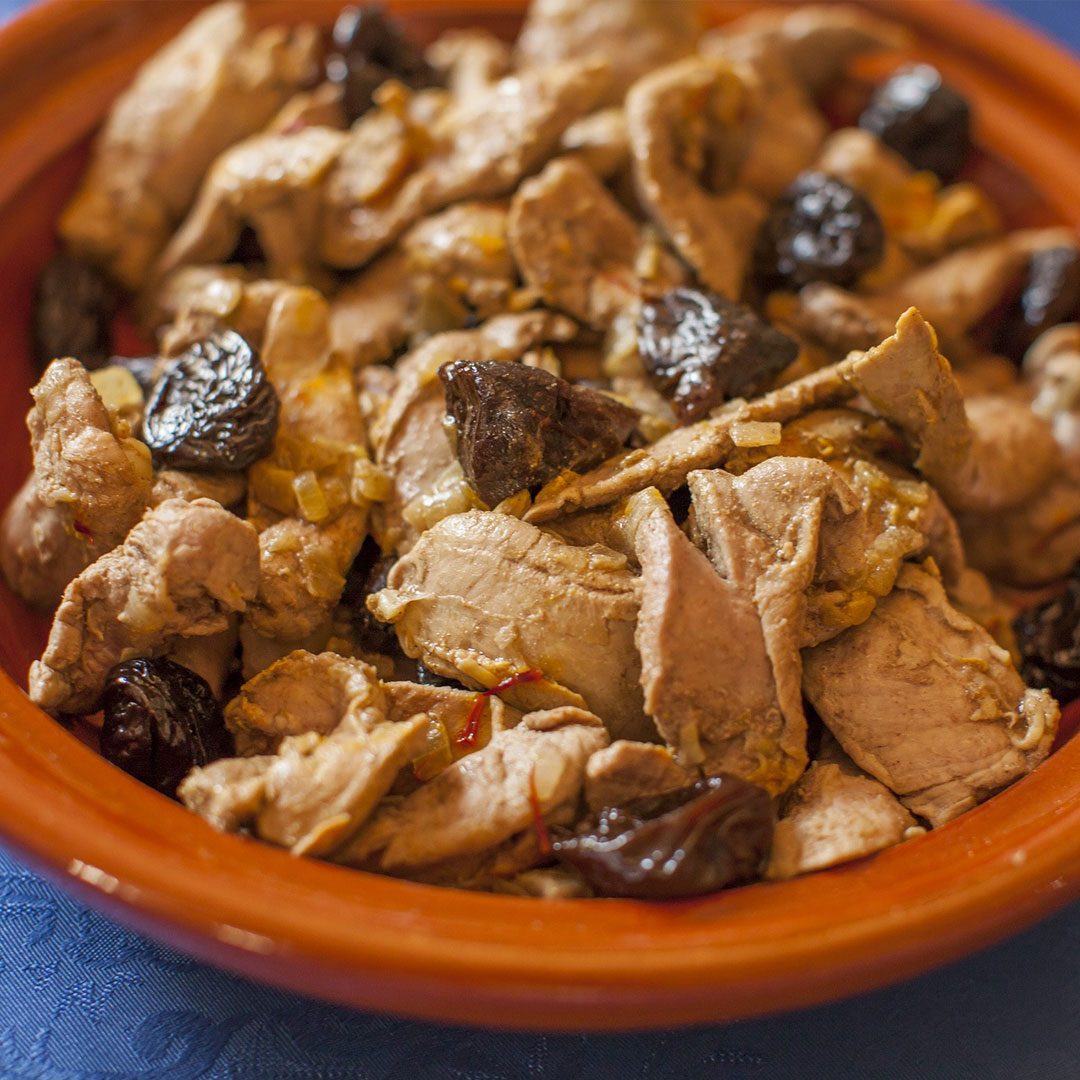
column 567, row 468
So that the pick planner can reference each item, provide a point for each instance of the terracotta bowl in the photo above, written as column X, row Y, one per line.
column 493, row 960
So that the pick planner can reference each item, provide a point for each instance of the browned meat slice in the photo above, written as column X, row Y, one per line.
column 181, row 572
column 483, row 148
column 228, row 489
column 685, row 120
column 834, row 814
column 722, row 689
column 925, row 701
column 635, row 35
column 215, row 83
column 628, row 770
column 574, row 243
column 272, row 183
column 483, row 596
column 90, row 485
column 313, row 795
column 487, row 798
column 600, row 141
column 703, row 445
column 411, row 442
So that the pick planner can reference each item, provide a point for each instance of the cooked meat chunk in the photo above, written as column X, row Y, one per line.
column 226, row 488
column 492, row 141
column 210, row 657
column 834, row 814
column 600, row 141
column 181, row 572
column 925, row 701
column 448, row 706
column 305, row 692
column 217, row 82
column 313, row 795
column 574, row 243
column 469, row 61
column 370, row 316
column 90, row 485
column 682, row 121
column 667, row 462
column 626, row 770
column 716, row 695
column 271, row 183
column 636, row 35
column 487, row 798
column 483, row 596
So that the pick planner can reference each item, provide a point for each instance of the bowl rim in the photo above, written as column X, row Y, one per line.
column 428, row 952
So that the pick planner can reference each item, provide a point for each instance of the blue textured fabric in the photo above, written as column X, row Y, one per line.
column 83, row 999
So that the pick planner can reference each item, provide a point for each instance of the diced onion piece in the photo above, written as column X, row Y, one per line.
column 310, row 498
column 369, row 482
column 438, row 752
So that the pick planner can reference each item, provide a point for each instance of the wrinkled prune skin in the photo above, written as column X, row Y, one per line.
column 518, row 427
column 368, row 49
column 923, row 119
column 701, row 350
column 73, row 308
column 716, row 833
column 1048, row 636
column 212, row 408
column 1049, row 294
column 368, row 575
column 820, row 229
column 161, row 721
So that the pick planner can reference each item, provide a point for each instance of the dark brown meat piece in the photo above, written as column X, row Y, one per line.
column 518, row 427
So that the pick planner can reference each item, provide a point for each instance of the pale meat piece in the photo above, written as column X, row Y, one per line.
column 724, row 697
column 484, row 596
column 1052, row 375
column 600, row 141
column 411, row 443
column 834, row 814
column 484, row 148
column 211, row 657
column 226, row 488
column 272, row 183
column 702, row 445
column 181, row 572
column 448, row 706
column 575, row 244
column 315, row 792
column 470, row 61
column 90, row 484
column 686, row 124
column 925, row 701
column 626, row 770
column 635, row 35
column 322, row 106
column 215, row 83
column 370, row 317
column 486, row 798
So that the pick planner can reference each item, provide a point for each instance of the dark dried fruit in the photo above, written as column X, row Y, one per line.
column 161, row 721
column 519, row 427
column 701, row 350
column 212, row 408
column 73, row 307
column 716, row 833
column 367, row 575
column 370, row 48
column 820, row 229
column 923, row 119
column 1048, row 636
column 1049, row 294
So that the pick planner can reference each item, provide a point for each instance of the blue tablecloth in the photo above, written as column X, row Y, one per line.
column 81, row 998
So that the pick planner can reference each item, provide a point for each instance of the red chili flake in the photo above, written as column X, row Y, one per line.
column 468, row 735
column 543, row 837
column 82, row 530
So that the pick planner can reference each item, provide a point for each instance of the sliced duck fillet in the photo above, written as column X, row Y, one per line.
column 627, row 770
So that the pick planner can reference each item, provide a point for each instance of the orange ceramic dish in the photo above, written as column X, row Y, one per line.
column 384, row 944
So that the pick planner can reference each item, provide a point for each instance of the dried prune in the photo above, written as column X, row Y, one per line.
column 1049, row 294
column 820, row 229
column 518, row 426
column 700, row 350
column 922, row 118
column 1048, row 636
column 72, row 310
column 716, row 833
column 367, row 575
column 161, row 721
column 370, row 48
column 212, row 408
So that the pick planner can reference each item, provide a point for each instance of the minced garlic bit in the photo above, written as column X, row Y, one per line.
column 750, row 433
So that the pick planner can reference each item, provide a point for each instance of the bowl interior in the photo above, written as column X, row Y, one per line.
column 382, row 943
